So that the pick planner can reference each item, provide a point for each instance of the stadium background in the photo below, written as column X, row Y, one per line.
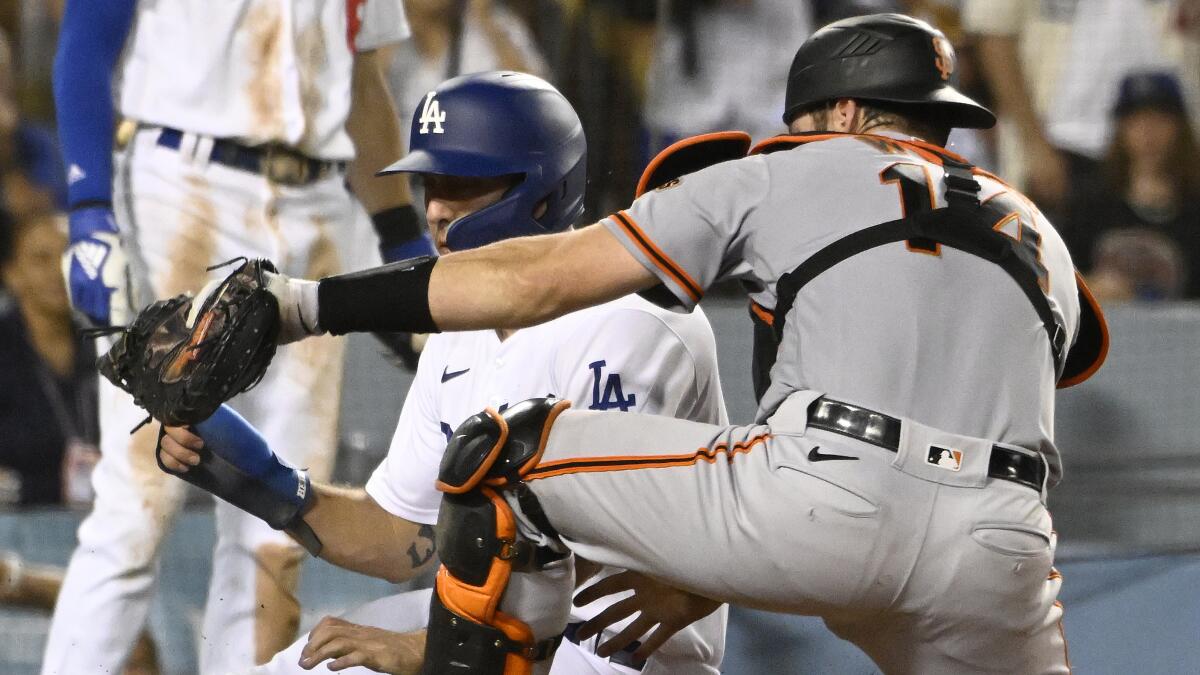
column 1128, row 513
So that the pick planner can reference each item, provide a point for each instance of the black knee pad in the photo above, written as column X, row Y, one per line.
column 480, row 549
column 497, row 449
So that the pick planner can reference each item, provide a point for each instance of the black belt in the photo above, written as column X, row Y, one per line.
column 624, row 657
column 883, row 430
column 279, row 163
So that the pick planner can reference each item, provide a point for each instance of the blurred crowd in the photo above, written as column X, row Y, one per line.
column 1099, row 103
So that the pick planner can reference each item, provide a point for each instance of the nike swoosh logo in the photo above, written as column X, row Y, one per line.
column 815, row 455
column 447, row 376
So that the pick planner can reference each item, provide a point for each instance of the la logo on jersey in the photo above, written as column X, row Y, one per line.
column 945, row 458
column 431, row 113
column 613, row 395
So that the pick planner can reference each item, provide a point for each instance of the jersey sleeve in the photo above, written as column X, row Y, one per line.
column 689, row 232
column 627, row 360
column 994, row 17
column 403, row 484
column 383, row 23
column 89, row 44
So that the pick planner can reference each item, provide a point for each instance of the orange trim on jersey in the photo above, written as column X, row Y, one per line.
column 661, row 260
column 1102, row 354
column 485, row 464
column 670, row 150
column 764, row 314
column 631, row 462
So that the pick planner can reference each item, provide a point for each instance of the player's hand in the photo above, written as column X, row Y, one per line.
column 665, row 609
column 229, row 436
column 95, row 268
column 350, row 644
column 178, row 449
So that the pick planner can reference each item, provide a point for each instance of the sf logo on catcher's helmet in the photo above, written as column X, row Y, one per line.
column 944, row 61
column 432, row 113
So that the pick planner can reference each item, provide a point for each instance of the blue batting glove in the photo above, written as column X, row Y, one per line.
column 95, row 268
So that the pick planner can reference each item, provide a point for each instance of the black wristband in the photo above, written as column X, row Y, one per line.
column 397, row 225
column 393, row 297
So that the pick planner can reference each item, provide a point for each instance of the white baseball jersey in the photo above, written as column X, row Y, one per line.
column 904, row 347
column 257, row 70
column 623, row 356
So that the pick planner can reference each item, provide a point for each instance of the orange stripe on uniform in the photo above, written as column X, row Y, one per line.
column 661, row 260
column 765, row 315
column 626, row 463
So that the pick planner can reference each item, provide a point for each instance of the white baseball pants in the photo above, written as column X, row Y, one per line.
column 179, row 214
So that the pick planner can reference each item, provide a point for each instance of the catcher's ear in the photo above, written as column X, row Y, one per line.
column 690, row 155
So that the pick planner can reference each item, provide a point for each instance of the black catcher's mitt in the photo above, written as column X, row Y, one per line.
column 180, row 371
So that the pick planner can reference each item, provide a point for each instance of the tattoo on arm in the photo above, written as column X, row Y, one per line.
column 420, row 557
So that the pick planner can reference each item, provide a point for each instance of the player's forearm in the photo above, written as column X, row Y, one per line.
column 374, row 129
column 526, row 281
column 1001, row 64
column 510, row 284
column 358, row 535
column 90, row 42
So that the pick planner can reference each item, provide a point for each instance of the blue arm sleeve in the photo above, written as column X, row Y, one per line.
column 92, row 36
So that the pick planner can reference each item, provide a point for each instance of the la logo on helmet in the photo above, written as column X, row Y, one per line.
column 431, row 113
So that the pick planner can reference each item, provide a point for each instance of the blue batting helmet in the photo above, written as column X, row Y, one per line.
column 496, row 124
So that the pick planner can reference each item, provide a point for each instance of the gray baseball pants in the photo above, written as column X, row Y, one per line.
column 927, row 570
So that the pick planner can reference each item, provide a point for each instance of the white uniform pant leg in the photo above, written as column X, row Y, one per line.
column 252, row 610
column 106, row 593
column 180, row 214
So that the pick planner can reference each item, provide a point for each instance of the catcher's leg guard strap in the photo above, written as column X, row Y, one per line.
column 497, row 449
column 483, row 650
column 477, row 538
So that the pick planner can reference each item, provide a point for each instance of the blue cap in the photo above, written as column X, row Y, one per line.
column 1153, row 89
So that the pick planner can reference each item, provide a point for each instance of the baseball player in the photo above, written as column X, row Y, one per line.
column 516, row 166
column 240, row 119
column 921, row 306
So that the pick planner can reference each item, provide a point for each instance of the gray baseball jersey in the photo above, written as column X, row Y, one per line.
column 897, row 329
column 931, row 549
